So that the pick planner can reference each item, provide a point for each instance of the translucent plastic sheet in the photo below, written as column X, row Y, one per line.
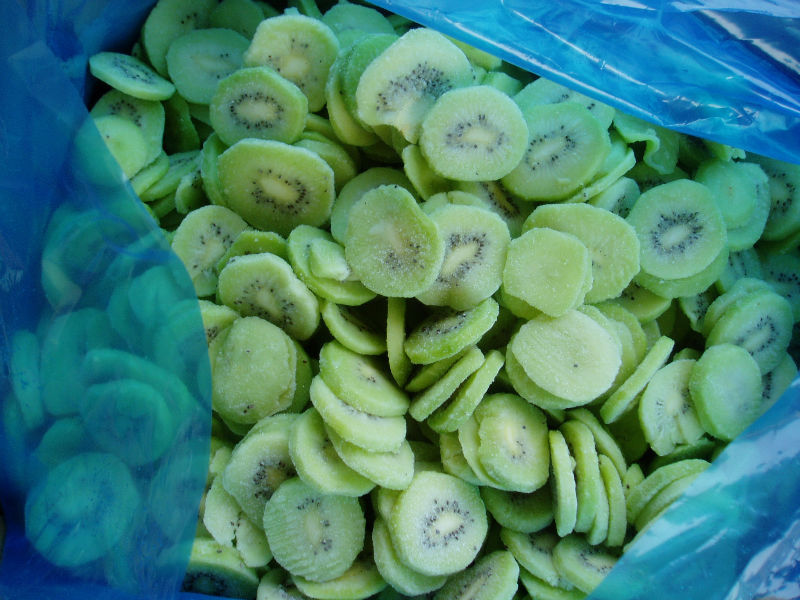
column 727, row 71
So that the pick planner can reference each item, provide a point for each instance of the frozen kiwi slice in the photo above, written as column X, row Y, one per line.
column 147, row 115
column 351, row 331
column 124, row 141
column 300, row 48
column 275, row 186
column 425, row 180
column 566, row 147
column 618, row 198
column 493, row 196
column 264, row 285
column 371, row 432
column 520, row 511
column 438, row 524
column 351, row 21
column 782, row 272
column 394, row 571
column 361, row 580
column 218, row 570
column 259, row 463
column 588, row 483
column 201, row 240
column 549, row 270
column 356, row 58
column 475, row 251
column 540, row 589
column 528, row 389
column 492, row 577
column 360, row 381
column 680, row 229
column 474, row 133
column 253, row 241
column 276, row 584
column 547, row 91
column 399, row 364
column 313, row 535
column 130, row 76
column 582, row 565
column 446, row 332
column 199, row 59
column 180, row 165
column 257, row 102
column 253, row 371
column 784, row 214
column 348, row 292
column 513, row 447
column 81, row 508
column 326, row 260
column 389, row 470
column 393, row 247
column 666, row 411
column 725, row 387
column 400, row 85
column 743, row 263
column 317, row 462
column 242, row 16
column 612, row 243
column 169, row 20
column 345, row 125
column 344, row 164
column 571, row 356
column 615, row 494
column 563, row 486
column 534, row 553
column 644, row 491
column 435, row 395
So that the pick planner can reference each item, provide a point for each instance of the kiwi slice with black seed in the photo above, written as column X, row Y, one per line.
column 125, row 142
column 275, row 186
column 399, row 86
column 147, row 115
column 425, row 180
column 356, row 59
column 180, row 165
column 300, row 48
column 313, row 535
column 264, row 285
column 242, row 16
column 130, row 76
column 782, row 272
column 344, row 163
column 740, row 264
column 784, row 181
column 492, row 577
column 252, row 241
column 438, row 524
column 546, row 91
column 350, row 21
column 399, row 364
column 582, row 565
column 169, row 20
column 256, row 102
column 351, row 331
column 520, row 511
column 493, row 196
column 389, row 470
column 218, row 570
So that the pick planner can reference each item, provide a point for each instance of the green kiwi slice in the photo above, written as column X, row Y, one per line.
column 199, row 59
column 242, row 16
column 74, row 529
column 680, row 229
column 685, row 286
column 534, row 553
column 474, row 133
column 361, row 580
column 618, row 198
column 180, row 165
column 618, row 162
column 399, row 364
column 399, row 86
column 563, row 486
column 775, row 382
column 741, row 264
column 355, row 60
column 643, row 492
column 275, row 186
column 216, row 569
column 741, row 288
column 213, row 146
column 571, row 356
column 549, row 270
column 344, row 163
column 169, row 20
column 588, row 483
column 492, row 577
column 402, row 578
column 257, row 102
column 252, row 241
column 150, row 173
column 391, row 245
column 528, row 389
column 327, row 261
column 317, row 462
column 447, row 332
column 351, row 331
column 453, row 460
column 520, row 511
column 662, row 500
column 475, row 251
column 313, row 535
column 265, row 286
column 345, row 125
column 202, row 239
column 583, row 565
column 130, row 76
column 566, row 148
column 258, row 465
column 180, row 130
column 276, row 584
column 725, row 387
column 300, row 48
column 360, row 381
column 615, row 495
column 452, row 375
column 604, row 441
column 124, row 141
column 540, row 589
column 371, row 432
column 781, row 271
column 389, row 470
column 351, row 21
column 547, row 91
column 438, row 524
column 346, row 292
column 784, row 213
column 426, row 181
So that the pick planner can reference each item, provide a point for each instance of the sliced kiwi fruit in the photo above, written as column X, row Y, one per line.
column 351, row 331
column 313, row 535
column 169, row 20
column 361, row 580
column 493, row 576
column 216, row 569
column 242, row 16
column 130, row 76
column 547, row 91
column 520, row 511
column 389, row 470
column 351, row 21
column 253, row 241
column 399, row 364
column 582, row 565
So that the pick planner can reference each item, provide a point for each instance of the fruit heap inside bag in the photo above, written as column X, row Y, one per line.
column 468, row 329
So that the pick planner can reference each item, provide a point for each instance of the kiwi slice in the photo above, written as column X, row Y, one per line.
column 317, row 462
column 264, row 285
column 130, row 76
column 725, row 387
column 494, row 576
column 645, row 490
column 147, row 115
column 124, row 141
column 523, row 512
column 784, row 213
column 300, row 48
column 345, row 125
column 180, row 165
column 276, row 584
column 399, row 364
column 167, row 21
column 242, row 16
column 475, row 133
column 361, row 580
column 275, row 186
column 350, row 21
column 257, row 102
column 427, row 183
column 400, row 85
column 438, row 524
column 563, row 485
column 356, row 59
column 313, row 535
column 582, row 565
column 360, row 381
column 475, row 249
column 546, row 91
column 781, row 271
column 253, row 241
column 202, row 239
column 391, row 245
column 538, row 588
column 435, row 395
column 566, row 147
column 389, row 470
column 343, row 161
column 81, row 508
column 351, row 331
column 326, row 260
column 218, row 570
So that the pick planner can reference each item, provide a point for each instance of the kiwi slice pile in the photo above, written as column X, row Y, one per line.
column 470, row 332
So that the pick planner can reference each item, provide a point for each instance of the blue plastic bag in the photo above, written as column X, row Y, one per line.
column 728, row 72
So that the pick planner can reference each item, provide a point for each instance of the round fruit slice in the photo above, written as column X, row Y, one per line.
column 130, row 76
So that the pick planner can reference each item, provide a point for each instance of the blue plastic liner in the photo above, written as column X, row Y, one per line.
column 727, row 71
